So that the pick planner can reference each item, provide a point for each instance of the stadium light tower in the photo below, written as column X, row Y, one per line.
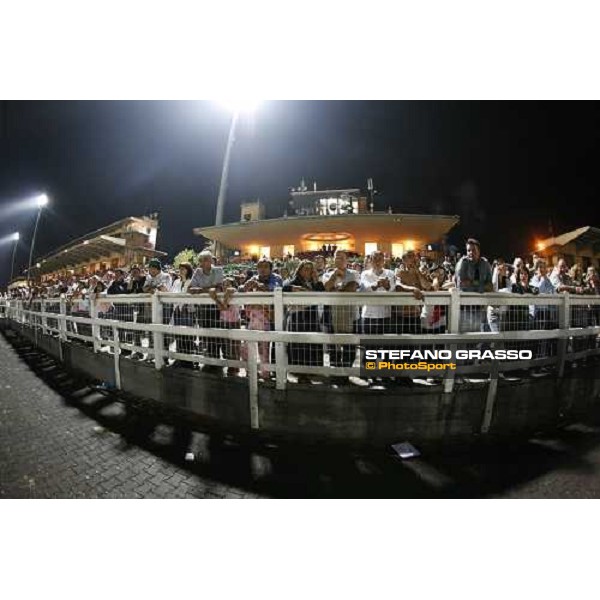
column 41, row 200
column 237, row 107
column 15, row 237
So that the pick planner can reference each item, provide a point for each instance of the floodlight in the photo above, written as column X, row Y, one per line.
column 42, row 200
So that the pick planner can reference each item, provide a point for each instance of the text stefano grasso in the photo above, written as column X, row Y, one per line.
column 500, row 354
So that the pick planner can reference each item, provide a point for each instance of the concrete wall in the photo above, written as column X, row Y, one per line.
column 351, row 414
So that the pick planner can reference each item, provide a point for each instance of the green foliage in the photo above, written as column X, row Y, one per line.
column 186, row 255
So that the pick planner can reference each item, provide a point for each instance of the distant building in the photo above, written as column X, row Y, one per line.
column 17, row 283
column 578, row 246
column 252, row 211
column 315, row 218
column 120, row 244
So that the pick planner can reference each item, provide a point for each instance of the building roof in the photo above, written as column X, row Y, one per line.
column 583, row 235
column 284, row 230
column 93, row 246
column 106, row 230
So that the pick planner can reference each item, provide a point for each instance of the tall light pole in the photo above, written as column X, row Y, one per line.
column 42, row 200
column 16, row 237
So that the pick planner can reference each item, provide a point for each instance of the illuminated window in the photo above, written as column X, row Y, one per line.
column 265, row 251
column 397, row 249
column 370, row 247
column 288, row 250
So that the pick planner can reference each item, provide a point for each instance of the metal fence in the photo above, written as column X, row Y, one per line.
column 294, row 336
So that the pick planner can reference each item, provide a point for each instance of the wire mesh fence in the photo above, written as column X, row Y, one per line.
column 52, row 306
column 313, row 333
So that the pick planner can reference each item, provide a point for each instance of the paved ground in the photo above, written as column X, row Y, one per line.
column 62, row 438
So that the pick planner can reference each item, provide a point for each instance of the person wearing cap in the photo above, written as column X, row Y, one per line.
column 156, row 280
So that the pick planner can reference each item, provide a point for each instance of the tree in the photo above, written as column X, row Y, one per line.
column 186, row 255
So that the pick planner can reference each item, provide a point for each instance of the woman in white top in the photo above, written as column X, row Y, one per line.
column 183, row 314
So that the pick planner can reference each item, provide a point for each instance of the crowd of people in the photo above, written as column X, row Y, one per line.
column 338, row 273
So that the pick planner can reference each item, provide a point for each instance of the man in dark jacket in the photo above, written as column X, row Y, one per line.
column 119, row 285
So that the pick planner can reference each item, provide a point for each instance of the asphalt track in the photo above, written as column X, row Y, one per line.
column 60, row 437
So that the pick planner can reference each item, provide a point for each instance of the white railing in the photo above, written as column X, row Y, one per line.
column 190, row 328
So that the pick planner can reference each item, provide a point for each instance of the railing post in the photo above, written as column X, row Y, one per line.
column 453, row 327
column 454, row 311
column 252, row 371
column 492, row 391
column 156, row 335
column 62, row 322
column 44, row 318
column 117, row 349
column 280, row 353
column 564, row 323
column 95, row 327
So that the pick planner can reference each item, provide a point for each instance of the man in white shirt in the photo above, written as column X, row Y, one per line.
column 156, row 280
column 376, row 319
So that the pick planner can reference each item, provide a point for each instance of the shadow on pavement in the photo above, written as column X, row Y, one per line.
column 286, row 470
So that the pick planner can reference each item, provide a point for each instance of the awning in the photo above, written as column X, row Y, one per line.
column 90, row 250
column 427, row 228
column 583, row 236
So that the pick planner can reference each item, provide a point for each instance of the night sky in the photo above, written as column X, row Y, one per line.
column 510, row 170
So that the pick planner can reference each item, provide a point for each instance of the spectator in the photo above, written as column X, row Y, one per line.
column 320, row 265
column 118, row 285
column 407, row 319
column 561, row 280
column 592, row 282
column 183, row 314
column 140, row 313
column 230, row 316
column 500, row 283
column 376, row 319
column 343, row 318
column 592, row 287
column 304, row 318
column 260, row 316
column 448, row 265
column 136, row 281
column 576, row 275
column 543, row 317
column 473, row 274
column 184, row 280
column 518, row 263
column 433, row 316
column 156, row 280
column 208, row 279
column 532, row 266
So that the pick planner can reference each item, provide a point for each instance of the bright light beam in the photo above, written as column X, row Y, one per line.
column 240, row 105
column 14, row 206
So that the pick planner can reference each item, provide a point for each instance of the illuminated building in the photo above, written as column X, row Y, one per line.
column 129, row 241
column 317, row 218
